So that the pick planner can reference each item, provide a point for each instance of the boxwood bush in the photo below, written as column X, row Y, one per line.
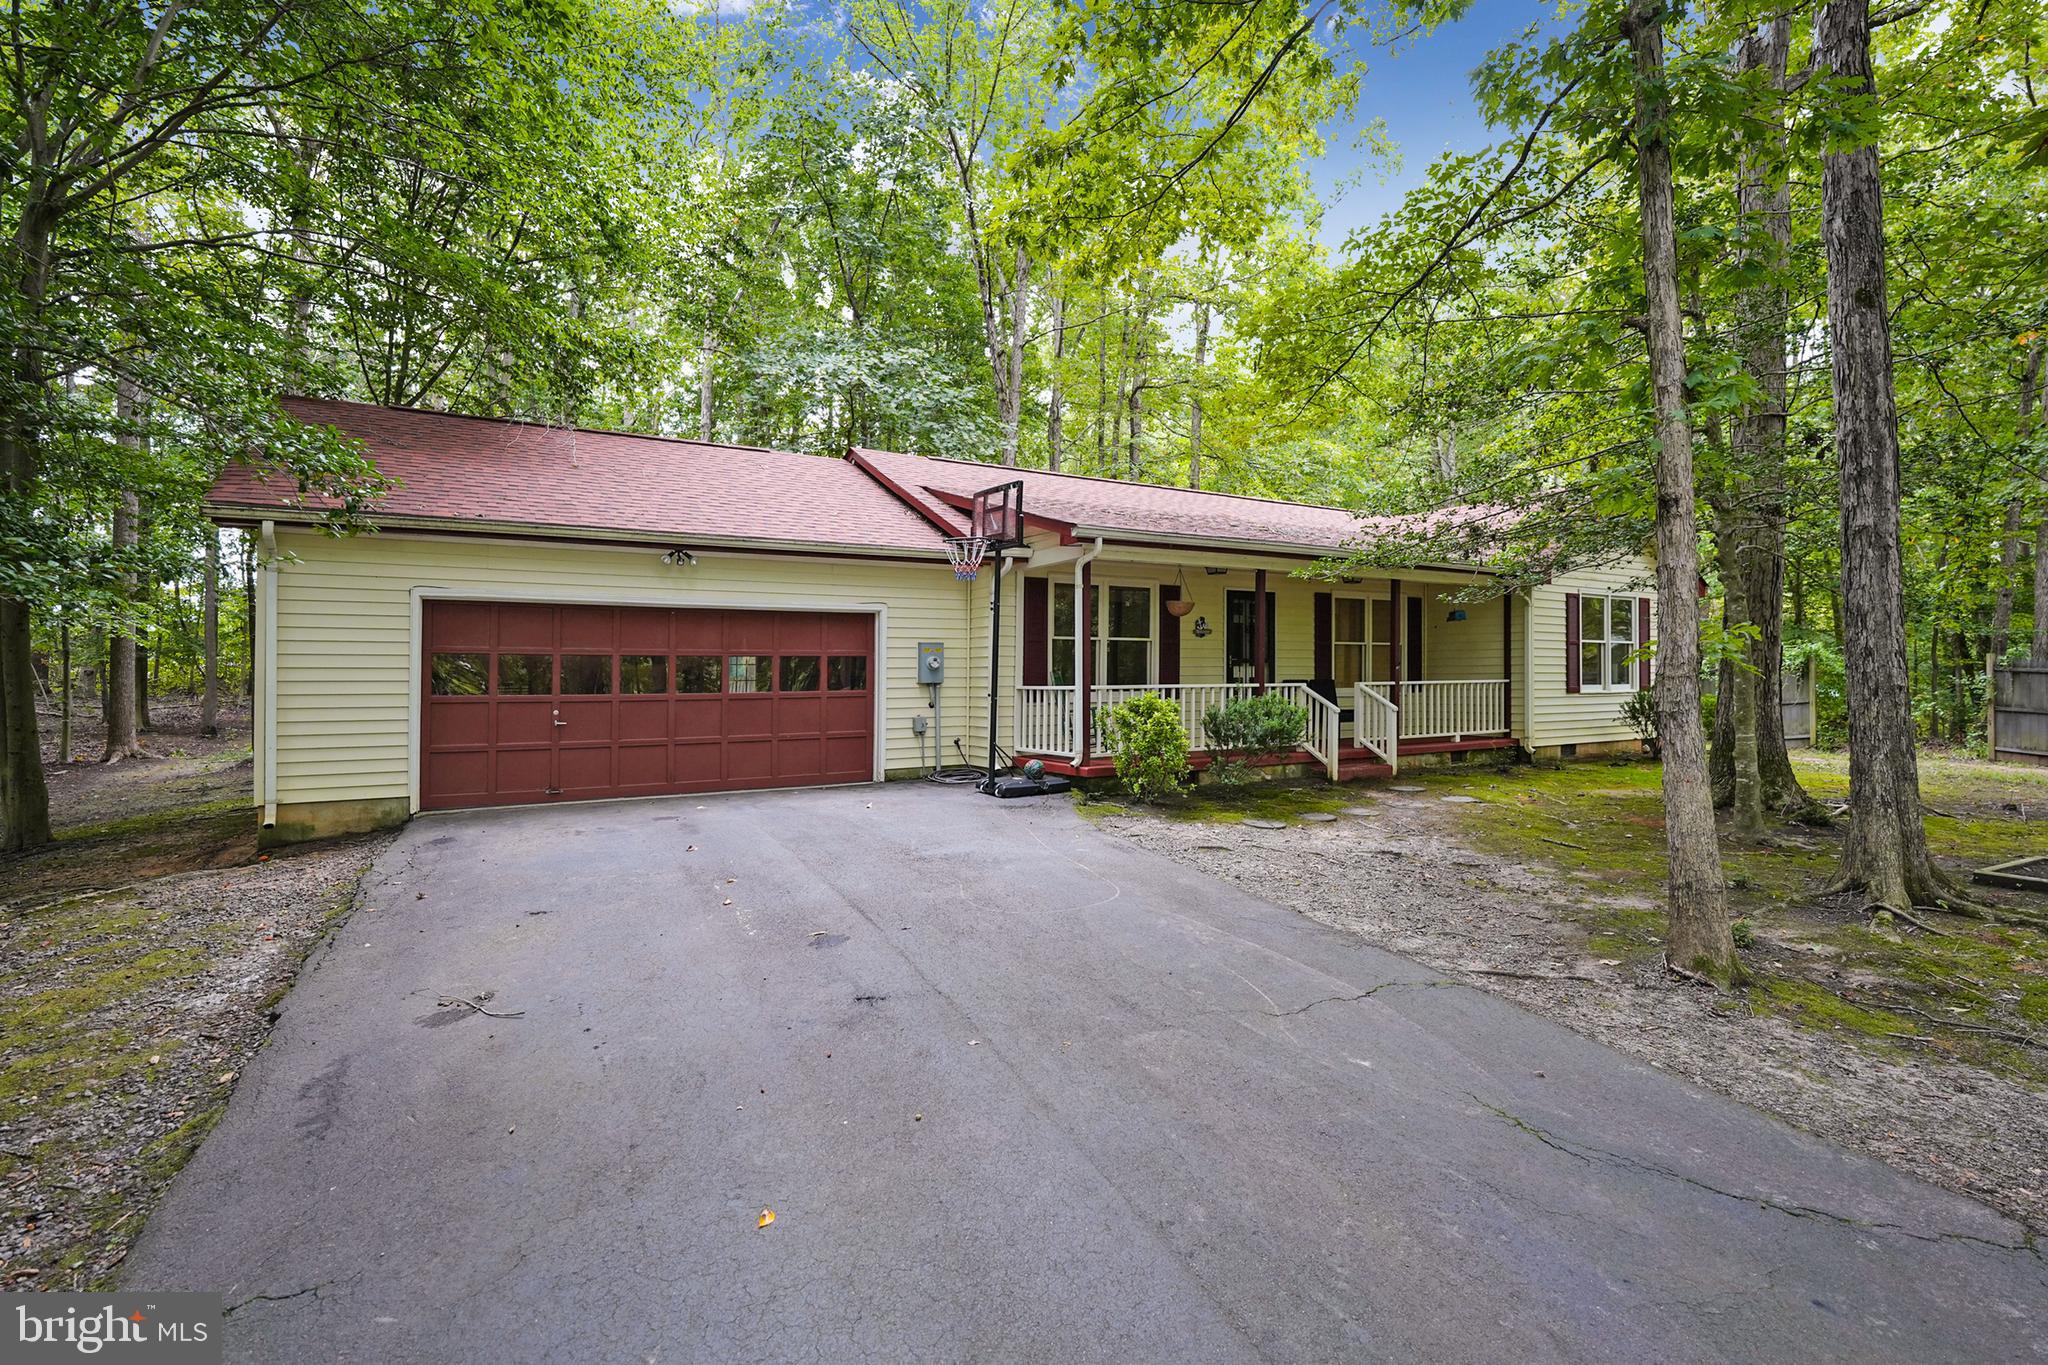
column 1149, row 743
column 1247, row 729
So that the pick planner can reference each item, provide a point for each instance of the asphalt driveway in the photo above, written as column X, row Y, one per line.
column 1014, row 1089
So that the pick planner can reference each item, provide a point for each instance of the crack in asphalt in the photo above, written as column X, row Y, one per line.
column 313, row 1289
column 1354, row 999
column 2026, row 1246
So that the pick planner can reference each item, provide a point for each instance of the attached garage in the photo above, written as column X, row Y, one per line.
column 533, row 702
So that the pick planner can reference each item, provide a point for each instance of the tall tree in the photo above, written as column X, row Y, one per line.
column 1700, row 938
column 1885, row 856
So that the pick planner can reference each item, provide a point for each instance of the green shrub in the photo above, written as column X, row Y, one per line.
column 1744, row 933
column 1640, row 713
column 1150, row 745
column 1246, row 729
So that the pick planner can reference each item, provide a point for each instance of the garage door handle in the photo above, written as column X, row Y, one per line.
column 561, row 722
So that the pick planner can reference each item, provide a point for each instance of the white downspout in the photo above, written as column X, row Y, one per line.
column 1082, row 673
column 266, row 691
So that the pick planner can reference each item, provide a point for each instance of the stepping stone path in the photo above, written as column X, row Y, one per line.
column 1264, row 824
column 1360, row 811
column 1407, row 789
column 1320, row 817
column 1462, row 800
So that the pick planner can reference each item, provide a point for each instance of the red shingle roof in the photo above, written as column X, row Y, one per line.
column 1138, row 510
column 501, row 473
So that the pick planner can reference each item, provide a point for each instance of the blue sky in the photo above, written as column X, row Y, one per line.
column 1423, row 93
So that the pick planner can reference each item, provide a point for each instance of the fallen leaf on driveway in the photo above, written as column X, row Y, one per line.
column 767, row 1217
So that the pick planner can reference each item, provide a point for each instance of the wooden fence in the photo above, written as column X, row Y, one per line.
column 1795, row 705
column 1795, row 708
column 2016, row 723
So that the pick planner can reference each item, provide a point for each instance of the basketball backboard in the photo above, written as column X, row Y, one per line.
column 998, row 515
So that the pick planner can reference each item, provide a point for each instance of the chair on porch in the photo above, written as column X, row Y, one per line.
column 1326, row 688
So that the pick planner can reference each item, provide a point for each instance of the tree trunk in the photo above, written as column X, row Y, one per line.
column 249, row 614
column 706, row 350
column 1447, row 454
column 1699, row 938
column 1885, row 855
column 64, row 693
column 1195, row 395
column 2031, row 385
column 1055, row 405
column 24, row 795
column 209, row 701
column 1010, row 389
column 121, row 672
column 1753, row 560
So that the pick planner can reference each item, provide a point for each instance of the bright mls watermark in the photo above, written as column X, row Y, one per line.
column 164, row 1329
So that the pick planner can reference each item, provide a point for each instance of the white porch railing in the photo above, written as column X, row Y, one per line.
column 1375, row 725
column 1454, row 709
column 1325, row 730
column 1195, row 700
column 1045, row 721
column 1045, row 715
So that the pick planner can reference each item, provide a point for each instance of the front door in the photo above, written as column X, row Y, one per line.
column 1239, row 625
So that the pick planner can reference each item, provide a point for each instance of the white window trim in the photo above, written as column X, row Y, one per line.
column 1364, row 644
column 1099, row 657
column 1630, row 672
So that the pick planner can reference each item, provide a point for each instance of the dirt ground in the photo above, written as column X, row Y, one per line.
column 140, row 956
column 1543, row 885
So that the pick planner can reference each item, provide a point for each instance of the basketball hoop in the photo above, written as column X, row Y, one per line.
column 966, row 554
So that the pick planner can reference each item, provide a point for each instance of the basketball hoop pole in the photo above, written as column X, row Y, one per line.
column 998, row 514
column 995, row 661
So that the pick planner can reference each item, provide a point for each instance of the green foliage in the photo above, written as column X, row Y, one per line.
column 1245, row 730
column 1149, row 743
column 1744, row 932
column 1640, row 713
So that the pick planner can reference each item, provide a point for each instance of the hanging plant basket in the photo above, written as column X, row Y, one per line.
column 1182, row 605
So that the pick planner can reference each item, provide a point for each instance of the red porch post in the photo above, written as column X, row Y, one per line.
column 1084, row 650
column 1507, row 663
column 1259, row 629
column 1397, row 650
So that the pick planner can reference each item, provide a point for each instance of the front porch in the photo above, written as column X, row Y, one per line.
column 1438, row 717
column 1385, row 669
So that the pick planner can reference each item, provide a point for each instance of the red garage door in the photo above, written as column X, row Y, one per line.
column 536, row 703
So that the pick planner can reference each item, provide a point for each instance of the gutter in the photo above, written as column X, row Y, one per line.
column 266, row 700
column 1268, row 548
column 229, row 514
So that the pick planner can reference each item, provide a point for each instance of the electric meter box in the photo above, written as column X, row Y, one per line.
column 931, row 662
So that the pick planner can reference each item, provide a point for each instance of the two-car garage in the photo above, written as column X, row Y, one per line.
column 528, row 702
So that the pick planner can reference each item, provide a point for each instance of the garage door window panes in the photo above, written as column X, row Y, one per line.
column 799, row 672
column 699, row 673
column 751, row 673
column 847, row 673
column 460, row 675
column 640, row 674
column 526, row 675
column 586, row 675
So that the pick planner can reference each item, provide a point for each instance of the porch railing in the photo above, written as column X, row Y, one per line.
column 1324, row 735
column 1375, row 725
column 1454, row 709
column 1045, row 721
column 1195, row 700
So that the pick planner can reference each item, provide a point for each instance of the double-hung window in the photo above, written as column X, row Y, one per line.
column 1607, row 639
column 1350, row 643
column 1120, row 636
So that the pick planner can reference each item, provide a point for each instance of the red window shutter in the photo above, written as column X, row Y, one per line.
column 1037, row 624
column 1169, row 636
column 1571, row 642
column 1642, row 640
column 1325, row 631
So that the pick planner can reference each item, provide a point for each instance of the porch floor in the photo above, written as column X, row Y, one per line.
column 1354, row 762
